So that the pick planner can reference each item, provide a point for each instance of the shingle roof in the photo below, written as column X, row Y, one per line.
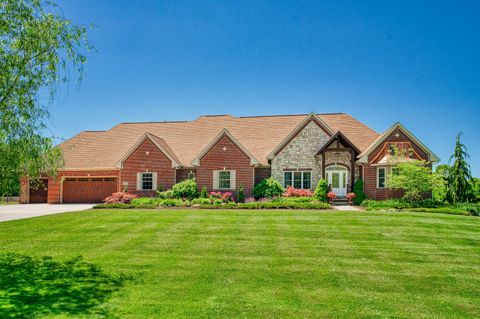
column 259, row 134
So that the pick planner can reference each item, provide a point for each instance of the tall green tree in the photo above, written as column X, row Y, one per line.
column 39, row 48
column 459, row 176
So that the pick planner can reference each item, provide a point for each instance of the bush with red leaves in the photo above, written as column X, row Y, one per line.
column 294, row 192
column 120, row 197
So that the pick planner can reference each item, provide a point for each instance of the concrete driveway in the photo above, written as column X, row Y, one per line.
column 18, row 211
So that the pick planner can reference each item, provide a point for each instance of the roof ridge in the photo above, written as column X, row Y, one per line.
column 281, row 115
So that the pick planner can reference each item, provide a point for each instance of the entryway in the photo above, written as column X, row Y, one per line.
column 337, row 179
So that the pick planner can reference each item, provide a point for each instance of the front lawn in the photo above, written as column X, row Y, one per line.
column 269, row 264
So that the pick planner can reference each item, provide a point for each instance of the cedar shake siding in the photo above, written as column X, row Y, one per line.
column 225, row 155
column 147, row 158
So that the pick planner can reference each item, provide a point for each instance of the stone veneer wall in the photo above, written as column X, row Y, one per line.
column 300, row 153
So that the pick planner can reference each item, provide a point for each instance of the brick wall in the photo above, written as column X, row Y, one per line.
column 155, row 161
column 370, row 186
column 24, row 190
column 261, row 173
column 225, row 155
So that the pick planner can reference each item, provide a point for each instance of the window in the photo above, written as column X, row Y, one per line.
column 307, row 180
column 298, row 179
column 191, row 175
column 109, row 179
column 224, row 179
column 287, row 178
column 381, row 177
column 147, row 181
column 96, row 179
column 83, row 179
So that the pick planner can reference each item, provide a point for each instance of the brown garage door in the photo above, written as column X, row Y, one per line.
column 88, row 190
column 39, row 192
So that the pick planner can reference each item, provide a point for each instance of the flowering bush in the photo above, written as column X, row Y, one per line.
column 223, row 197
column 351, row 196
column 331, row 195
column 294, row 192
column 120, row 197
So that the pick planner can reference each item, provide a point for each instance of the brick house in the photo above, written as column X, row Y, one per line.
column 224, row 152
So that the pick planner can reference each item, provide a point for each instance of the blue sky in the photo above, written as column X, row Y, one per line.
column 417, row 62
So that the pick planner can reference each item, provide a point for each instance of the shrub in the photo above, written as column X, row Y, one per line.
column 119, row 197
column 204, row 193
column 201, row 201
column 145, row 200
column 241, row 195
column 185, row 189
column 331, row 195
column 294, row 192
column 223, row 197
column 269, row 187
column 165, row 195
column 217, row 202
column 386, row 204
column 171, row 202
column 321, row 190
column 113, row 205
column 359, row 193
column 270, row 205
column 293, row 199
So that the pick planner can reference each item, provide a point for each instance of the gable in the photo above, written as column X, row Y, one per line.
column 149, row 148
column 230, row 141
column 400, row 139
column 223, row 151
column 308, row 125
column 305, row 143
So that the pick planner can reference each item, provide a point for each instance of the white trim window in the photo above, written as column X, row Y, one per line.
column 383, row 174
column 147, row 181
column 297, row 179
column 224, row 179
column 381, row 177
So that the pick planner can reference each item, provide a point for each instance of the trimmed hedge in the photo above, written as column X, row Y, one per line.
column 428, row 206
column 153, row 203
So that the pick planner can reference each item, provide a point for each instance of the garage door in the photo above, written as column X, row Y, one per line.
column 39, row 192
column 88, row 190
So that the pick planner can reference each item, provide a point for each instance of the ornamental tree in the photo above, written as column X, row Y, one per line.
column 39, row 48
column 415, row 178
column 459, row 187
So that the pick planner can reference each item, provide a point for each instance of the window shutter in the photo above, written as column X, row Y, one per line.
column 154, row 181
column 139, row 181
column 233, row 179
column 215, row 179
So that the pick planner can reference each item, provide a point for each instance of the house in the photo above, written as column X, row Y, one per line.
column 224, row 152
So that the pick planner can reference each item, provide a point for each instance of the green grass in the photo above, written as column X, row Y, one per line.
column 269, row 264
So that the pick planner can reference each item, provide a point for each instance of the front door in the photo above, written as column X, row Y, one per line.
column 337, row 180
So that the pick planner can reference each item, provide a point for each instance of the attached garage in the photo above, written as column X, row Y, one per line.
column 38, row 193
column 88, row 189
